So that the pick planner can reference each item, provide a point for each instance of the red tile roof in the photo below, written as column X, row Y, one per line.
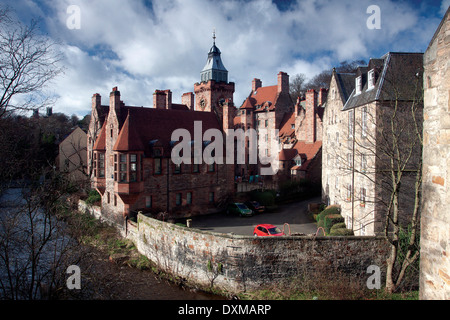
column 148, row 124
column 129, row 139
column 287, row 154
column 100, row 143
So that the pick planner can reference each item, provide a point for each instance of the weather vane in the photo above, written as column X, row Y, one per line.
column 214, row 36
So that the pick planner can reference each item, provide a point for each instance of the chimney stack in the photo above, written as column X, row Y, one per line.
column 114, row 101
column 322, row 98
column 310, row 115
column 188, row 100
column 283, row 82
column 256, row 83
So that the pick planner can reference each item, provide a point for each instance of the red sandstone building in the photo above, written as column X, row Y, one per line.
column 299, row 125
column 129, row 150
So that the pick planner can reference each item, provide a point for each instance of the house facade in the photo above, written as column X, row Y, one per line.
column 435, row 219
column 288, row 132
column 130, row 151
column 72, row 156
column 359, row 139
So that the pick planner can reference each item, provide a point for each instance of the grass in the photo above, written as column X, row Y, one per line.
column 321, row 285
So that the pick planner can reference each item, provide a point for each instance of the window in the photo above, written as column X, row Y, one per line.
column 211, row 167
column 177, row 168
column 363, row 196
column 133, row 167
column 101, row 165
column 148, row 201
column 363, row 163
column 266, row 123
column 178, row 199
column 211, row 197
column 196, row 168
column 371, row 80
column 189, row 198
column 293, row 126
column 337, row 183
column 350, row 123
column 157, row 166
column 123, row 168
column 115, row 200
column 364, row 122
column 349, row 160
column 358, row 85
column 349, row 192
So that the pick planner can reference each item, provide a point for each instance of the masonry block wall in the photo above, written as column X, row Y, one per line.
column 435, row 220
column 241, row 263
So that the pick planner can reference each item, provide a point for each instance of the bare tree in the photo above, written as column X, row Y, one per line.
column 297, row 86
column 28, row 62
column 34, row 248
column 384, row 147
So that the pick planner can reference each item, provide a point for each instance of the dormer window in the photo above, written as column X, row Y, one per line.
column 371, row 80
column 358, row 85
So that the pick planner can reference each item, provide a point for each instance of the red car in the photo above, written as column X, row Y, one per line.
column 267, row 230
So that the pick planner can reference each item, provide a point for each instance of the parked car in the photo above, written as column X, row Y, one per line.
column 255, row 206
column 239, row 208
column 267, row 230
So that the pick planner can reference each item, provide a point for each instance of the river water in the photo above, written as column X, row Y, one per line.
column 101, row 279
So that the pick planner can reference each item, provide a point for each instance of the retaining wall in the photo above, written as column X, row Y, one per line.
column 236, row 263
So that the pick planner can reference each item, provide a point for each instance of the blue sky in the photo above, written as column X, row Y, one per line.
column 143, row 45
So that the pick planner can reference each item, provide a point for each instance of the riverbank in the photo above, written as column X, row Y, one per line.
column 113, row 269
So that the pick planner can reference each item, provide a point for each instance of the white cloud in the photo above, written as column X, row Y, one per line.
column 444, row 6
column 164, row 45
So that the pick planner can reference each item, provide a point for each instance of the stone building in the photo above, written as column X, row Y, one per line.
column 359, row 140
column 288, row 133
column 130, row 151
column 72, row 156
column 435, row 220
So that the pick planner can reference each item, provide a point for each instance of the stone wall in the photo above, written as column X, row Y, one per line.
column 239, row 263
column 435, row 220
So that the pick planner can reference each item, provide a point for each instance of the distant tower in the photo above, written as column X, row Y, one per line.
column 214, row 88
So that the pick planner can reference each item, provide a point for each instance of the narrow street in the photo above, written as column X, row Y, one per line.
column 294, row 214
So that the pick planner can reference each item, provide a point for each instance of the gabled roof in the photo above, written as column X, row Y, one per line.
column 345, row 84
column 287, row 154
column 286, row 125
column 100, row 143
column 143, row 125
column 397, row 78
column 128, row 139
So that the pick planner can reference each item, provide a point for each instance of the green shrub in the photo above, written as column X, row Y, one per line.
column 266, row 198
column 93, row 197
column 331, row 220
column 327, row 211
column 340, row 225
column 341, row 232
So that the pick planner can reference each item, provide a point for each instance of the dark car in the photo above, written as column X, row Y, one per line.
column 255, row 206
column 239, row 208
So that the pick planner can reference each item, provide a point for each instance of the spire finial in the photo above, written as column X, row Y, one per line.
column 214, row 36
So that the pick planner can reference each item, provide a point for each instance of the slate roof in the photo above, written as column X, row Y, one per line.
column 397, row 75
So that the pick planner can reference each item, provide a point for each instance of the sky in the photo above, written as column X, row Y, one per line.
column 141, row 45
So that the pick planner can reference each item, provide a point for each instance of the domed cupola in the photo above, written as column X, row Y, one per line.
column 214, row 68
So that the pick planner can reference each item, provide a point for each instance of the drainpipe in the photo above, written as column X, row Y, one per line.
column 167, row 187
column 353, row 167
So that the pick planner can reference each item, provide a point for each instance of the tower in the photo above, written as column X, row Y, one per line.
column 214, row 88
